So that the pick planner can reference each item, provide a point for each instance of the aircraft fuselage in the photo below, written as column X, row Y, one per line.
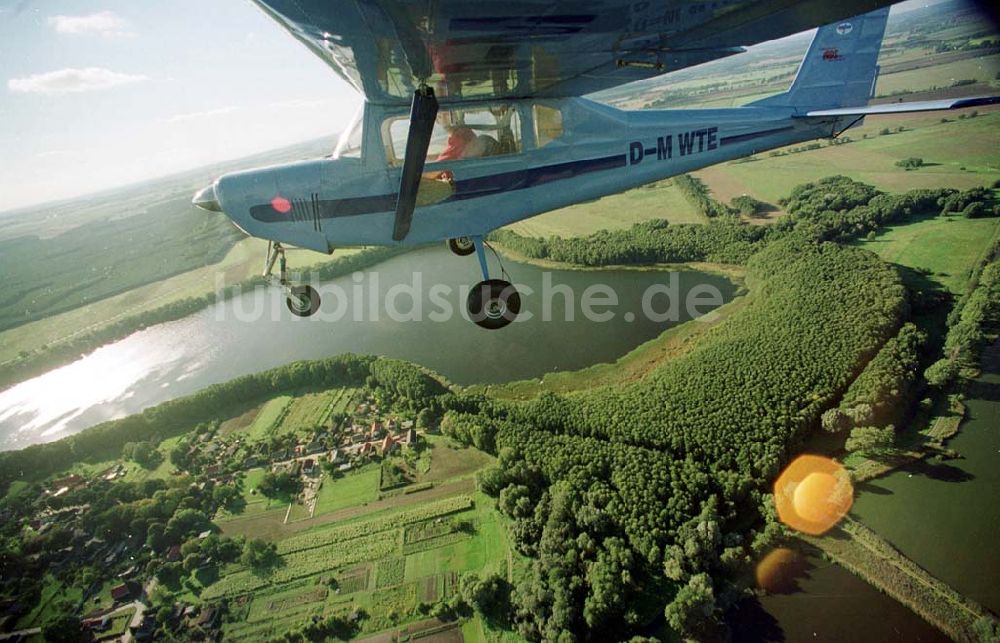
column 334, row 202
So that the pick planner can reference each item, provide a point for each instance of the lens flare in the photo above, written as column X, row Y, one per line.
column 779, row 571
column 813, row 494
column 281, row 204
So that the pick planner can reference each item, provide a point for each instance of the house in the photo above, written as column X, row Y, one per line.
column 314, row 447
column 388, row 445
column 376, row 430
column 308, row 465
column 127, row 591
column 212, row 470
column 66, row 484
column 406, row 425
column 173, row 553
column 345, row 467
column 366, row 450
column 336, row 457
column 411, row 436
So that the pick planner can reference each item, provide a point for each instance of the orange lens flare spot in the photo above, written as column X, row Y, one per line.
column 779, row 571
column 813, row 494
column 281, row 204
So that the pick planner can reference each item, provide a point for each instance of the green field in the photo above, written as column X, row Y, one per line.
column 948, row 247
column 962, row 154
column 655, row 201
column 264, row 424
column 355, row 488
column 309, row 411
column 983, row 69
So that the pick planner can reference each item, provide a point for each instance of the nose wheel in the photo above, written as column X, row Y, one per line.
column 462, row 246
column 492, row 303
column 302, row 300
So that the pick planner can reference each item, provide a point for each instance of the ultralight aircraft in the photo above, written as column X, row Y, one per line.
column 475, row 116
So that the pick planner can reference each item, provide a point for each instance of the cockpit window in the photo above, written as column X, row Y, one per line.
column 461, row 134
column 349, row 144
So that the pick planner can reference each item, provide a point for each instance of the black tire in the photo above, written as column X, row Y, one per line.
column 303, row 301
column 492, row 304
column 462, row 246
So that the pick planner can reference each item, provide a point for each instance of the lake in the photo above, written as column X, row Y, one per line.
column 364, row 313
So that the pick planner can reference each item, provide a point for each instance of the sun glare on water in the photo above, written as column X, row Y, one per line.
column 46, row 404
column 813, row 494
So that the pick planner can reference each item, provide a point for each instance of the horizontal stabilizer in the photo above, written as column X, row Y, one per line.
column 915, row 106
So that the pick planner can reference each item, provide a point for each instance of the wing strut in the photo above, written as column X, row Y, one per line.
column 423, row 111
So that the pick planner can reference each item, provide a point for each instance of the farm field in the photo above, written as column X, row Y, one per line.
column 960, row 151
column 265, row 422
column 982, row 69
column 362, row 565
column 655, row 201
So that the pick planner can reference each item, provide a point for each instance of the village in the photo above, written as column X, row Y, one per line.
column 111, row 566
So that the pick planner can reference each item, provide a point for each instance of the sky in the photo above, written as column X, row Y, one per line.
column 96, row 94
column 100, row 93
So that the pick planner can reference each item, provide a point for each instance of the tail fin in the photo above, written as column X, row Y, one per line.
column 840, row 68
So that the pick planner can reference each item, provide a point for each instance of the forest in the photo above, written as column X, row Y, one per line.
column 664, row 483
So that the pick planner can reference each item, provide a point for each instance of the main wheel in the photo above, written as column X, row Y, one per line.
column 303, row 301
column 462, row 246
column 493, row 304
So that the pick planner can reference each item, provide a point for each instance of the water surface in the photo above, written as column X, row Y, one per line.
column 254, row 332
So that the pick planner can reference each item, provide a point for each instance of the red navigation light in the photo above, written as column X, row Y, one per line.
column 281, row 204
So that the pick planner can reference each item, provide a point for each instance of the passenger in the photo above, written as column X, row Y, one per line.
column 461, row 140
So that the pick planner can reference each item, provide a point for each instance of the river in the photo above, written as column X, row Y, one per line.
column 254, row 332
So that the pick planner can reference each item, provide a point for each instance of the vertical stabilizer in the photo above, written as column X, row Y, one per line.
column 840, row 68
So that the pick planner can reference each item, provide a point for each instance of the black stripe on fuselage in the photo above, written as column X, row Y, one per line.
column 742, row 138
column 464, row 189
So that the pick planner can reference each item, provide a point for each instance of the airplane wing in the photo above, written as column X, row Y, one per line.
column 915, row 106
column 478, row 49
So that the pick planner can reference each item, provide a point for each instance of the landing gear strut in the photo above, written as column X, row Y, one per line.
column 302, row 300
column 492, row 303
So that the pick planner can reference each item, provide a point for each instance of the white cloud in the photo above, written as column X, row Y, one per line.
column 105, row 23
column 194, row 116
column 54, row 153
column 299, row 103
column 72, row 80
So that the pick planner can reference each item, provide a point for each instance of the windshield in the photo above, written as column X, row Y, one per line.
column 349, row 144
